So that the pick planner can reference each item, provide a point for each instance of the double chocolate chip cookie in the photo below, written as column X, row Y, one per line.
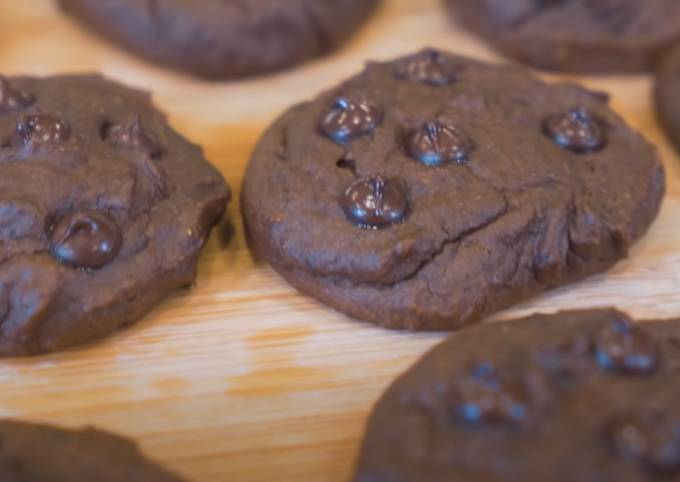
column 38, row 453
column 572, row 397
column 223, row 39
column 597, row 36
column 103, row 210
column 430, row 191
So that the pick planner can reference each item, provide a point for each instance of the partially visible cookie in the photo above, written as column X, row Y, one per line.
column 571, row 397
column 582, row 36
column 667, row 96
column 432, row 190
column 39, row 453
column 221, row 39
column 104, row 209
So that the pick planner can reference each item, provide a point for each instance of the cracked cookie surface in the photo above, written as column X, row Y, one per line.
column 570, row 397
column 224, row 38
column 103, row 210
column 31, row 452
column 589, row 36
column 428, row 192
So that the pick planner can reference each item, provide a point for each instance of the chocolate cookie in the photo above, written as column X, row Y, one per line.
column 103, row 210
column 223, row 39
column 427, row 192
column 571, row 397
column 667, row 96
column 38, row 453
column 596, row 36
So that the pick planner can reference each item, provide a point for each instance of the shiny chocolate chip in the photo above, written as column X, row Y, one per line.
column 131, row 134
column 577, row 130
column 427, row 67
column 13, row 100
column 437, row 143
column 85, row 239
column 376, row 201
column 651, row 439
column 42, row 130
column 348, row 119
column 623, row 347
column 483, row 397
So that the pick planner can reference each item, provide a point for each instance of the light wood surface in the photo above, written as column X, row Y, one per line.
column 243, row 379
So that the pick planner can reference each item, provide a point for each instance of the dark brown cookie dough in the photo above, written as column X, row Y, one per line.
column 103, row 210
column 667, row 96
column 571, row 397
column 430, row 191
column 224, row 38
column 583, row 36
column 39, row 453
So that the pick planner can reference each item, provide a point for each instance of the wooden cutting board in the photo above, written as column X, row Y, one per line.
column 243, row 379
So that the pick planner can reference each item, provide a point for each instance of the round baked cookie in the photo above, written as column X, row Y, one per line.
column 221, row 39
column 430, row 191
column 32, row 453
column 667, row 96
column 581, row 36
column 103, row 210
column 571, row 397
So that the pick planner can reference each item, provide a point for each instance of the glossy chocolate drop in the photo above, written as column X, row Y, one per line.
column 85, row 239
column 624, row 347
column 651, row 439
column 376, row 202
column 484, row 398
column 42, row 130
column 577, row 130
column 427, row 67
column 131, row 134
column 347, row 119
column 13, row 100
column 437, row 143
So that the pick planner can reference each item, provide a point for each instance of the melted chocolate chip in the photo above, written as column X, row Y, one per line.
column 624, row 347
column 437, row 143
column 483, row 397
column 85, row 239
column 375, row 202
column 427, row 67
column 577, row 130
column 651, row 439
column 12, row 100
column 567, row 361
column 42, row 130
column 347, row 120
column 131, row 134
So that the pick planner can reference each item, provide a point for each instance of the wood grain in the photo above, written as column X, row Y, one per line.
column 242, row 378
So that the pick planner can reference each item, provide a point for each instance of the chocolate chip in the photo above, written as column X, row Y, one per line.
column 131, row 134
column 567, row 361
column 13, row 100
column 427, row 67
column 42, row 130
column 85, row 239
column 483, row 397
column 348, row 119
column 437, row 143
column 651, row 439
column 577, row 130
column 376, row 201
column 624, row 347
